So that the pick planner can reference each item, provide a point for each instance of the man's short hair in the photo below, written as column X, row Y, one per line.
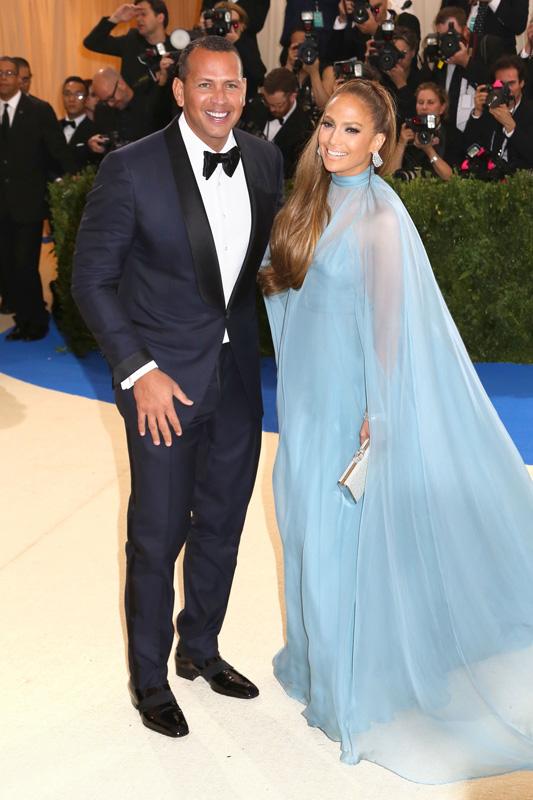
column 451, row 12
column 509, row 62
column 407, row 35
column 214, row 44
column 12, row 61
column 21, row 62
column 75, row 79
column 280, row 80
column 158, row 7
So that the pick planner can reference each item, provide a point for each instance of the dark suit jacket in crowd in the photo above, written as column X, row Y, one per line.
column 77, row 145
column 486, row 131
column 35, row 149
column 506, row 23
column 291, row 137
column 146, row 277
column 127, row 47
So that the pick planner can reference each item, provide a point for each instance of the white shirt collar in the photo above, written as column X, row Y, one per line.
column 13, row 103
column 195, row 146
column 77, row 120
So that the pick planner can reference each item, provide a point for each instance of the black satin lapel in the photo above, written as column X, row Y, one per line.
column 259, row 214
column 204, row 254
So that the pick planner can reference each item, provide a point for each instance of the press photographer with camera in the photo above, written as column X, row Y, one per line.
column 122, row 115
column 422, row 145
column 393, row 53
column 498, row 20
column 305, row 63
column 278, row 117
column 502, row 119
column 240, row 23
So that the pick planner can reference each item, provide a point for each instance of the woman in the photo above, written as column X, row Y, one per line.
column 409, row 615
column 429, row 157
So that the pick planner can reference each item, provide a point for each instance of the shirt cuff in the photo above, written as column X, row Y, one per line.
column 128, row 382
column 509, row 134
column 524, row 53
column 494, row 4
column 338, row 25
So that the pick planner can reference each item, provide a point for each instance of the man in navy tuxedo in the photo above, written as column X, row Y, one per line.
column 168, row 250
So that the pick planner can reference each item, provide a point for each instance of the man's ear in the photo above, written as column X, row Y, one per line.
column 178, row 91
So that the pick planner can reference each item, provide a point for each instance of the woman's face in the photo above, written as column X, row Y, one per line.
column 427, row 102
column 347, row 137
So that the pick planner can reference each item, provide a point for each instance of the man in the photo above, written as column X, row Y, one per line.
column 123, row 116
column 165, row 273
column 501, row 20
column 279, row 117
column 151, row 18
column 77, row 127
column 25, row 75
column 247, row 20
column 30, row 143
column 505, row 130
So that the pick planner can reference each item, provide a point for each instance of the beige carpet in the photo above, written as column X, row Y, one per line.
column 68, row 731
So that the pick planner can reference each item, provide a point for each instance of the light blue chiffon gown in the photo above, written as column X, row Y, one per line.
column 410, row 614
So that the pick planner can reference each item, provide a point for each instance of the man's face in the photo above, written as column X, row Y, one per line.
column 114, row 93
column 9, row 80
column 25, row 77
column 510, row 76
column 148, row 23
column 297, row 38
column 74, row 95
column 212, row 95
column 279, row 103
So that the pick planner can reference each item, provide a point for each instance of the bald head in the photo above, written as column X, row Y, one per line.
column 111, row 88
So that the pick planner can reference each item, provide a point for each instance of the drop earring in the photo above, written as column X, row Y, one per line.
column 377, row 160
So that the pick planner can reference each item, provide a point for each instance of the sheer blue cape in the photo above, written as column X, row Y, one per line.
column 409, row 615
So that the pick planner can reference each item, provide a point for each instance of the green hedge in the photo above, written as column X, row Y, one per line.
column 479, row 238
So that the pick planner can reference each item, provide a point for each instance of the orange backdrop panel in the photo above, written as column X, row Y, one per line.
column 49, row 34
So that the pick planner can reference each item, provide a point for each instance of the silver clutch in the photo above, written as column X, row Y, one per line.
column 353, row 479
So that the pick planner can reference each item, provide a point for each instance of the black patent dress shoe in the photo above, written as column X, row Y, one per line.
column 159, row 710
column 220, row 675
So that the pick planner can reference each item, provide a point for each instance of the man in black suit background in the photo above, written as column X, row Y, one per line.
column 165, row 272
column 500, row 20
column 505, row 130
column 31, row 146
column 279, row 118
column 77, row 127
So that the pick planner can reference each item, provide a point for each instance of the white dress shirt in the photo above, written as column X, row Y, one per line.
column 68, row 130
column 273, row 126
column 227, row 206
column 11, row 107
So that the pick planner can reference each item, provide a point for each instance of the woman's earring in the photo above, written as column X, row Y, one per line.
column 377, row 160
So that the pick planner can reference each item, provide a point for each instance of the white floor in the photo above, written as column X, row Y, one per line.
column 68, row 731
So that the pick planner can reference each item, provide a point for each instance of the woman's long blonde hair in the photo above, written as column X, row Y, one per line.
column 299, row 225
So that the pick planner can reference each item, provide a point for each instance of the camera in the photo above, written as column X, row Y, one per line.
column 499, row 95
column 482, row 164
column 348, row 70
column 112, row 141
column 360, row 13
column 308, row 50
column 151, row 57
column 220, row 22
column 408, row 174
column 442, row 46
column 425, row 127
column 387, row 54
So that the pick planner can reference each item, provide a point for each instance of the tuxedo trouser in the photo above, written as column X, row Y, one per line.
column 194, row 493
column 20, row 252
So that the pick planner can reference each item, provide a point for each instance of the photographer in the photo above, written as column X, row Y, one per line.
column 501, row 20
column 502, row 120
column 404, row 76
column 422, row 149
column 151, row 18
column 247, row 19
column 311, row 91
column 278, row 117
column 122, row 115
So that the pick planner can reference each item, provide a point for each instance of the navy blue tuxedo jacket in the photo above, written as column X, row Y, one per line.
column 146, row 276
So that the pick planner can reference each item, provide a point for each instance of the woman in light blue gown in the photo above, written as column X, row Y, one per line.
column 409, row 614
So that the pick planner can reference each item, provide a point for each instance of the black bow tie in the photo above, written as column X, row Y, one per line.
column 69, row 123
column 229, row 161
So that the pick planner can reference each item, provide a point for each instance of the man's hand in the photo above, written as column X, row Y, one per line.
column 461, row 58
column 364, row 433
column 124, row 13
column 311, row 69
column 504, row 117
column 97, row 143
column 398, row 75
column 154, row 395
column 162, row 73
column 480, row 98
column 345, row 7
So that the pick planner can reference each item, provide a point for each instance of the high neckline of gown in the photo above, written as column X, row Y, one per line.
column 351, row 180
